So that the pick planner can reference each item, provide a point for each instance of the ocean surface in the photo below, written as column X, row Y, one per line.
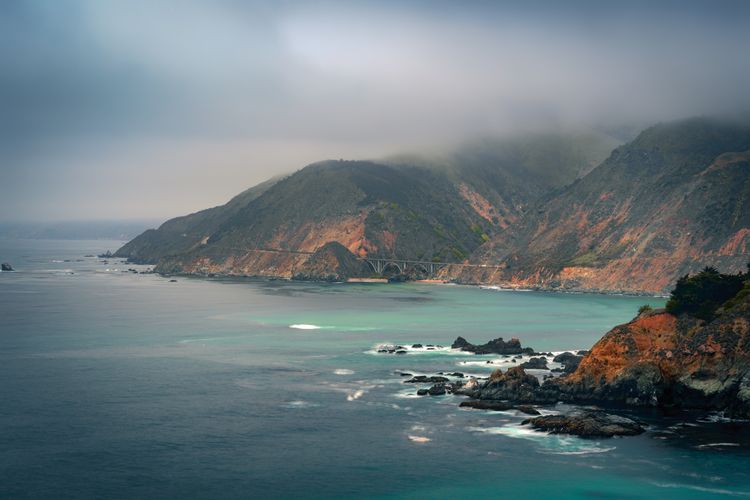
column 123, row 385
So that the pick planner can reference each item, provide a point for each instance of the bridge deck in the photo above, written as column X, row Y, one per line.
column 379, row 260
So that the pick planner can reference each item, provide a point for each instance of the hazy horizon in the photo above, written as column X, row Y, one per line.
column 152, row 109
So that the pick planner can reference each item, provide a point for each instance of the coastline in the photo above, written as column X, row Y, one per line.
column 385, row 281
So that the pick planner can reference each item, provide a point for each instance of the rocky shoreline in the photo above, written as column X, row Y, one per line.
column 661, row 360
column 332, row 278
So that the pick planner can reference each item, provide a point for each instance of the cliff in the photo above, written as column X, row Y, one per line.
column 659, row 359
column 677, row 195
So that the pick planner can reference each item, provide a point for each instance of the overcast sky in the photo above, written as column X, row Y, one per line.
column 155, row 108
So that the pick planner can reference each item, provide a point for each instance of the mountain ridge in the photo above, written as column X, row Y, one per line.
column 675, row 196
column 678, row 194
column 389, row 209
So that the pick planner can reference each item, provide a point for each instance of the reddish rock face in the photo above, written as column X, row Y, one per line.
column 648, row 338
column 666, row 204
column 659, row 359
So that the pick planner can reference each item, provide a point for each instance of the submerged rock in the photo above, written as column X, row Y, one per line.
column 528, row 410
column 586, row 423
column 436, row 390
column 569, row 361
column 423, row 379
column 535, row 364
column 564, row 357
column 487, row 405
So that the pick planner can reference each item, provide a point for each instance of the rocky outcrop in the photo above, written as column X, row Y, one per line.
column 662, row 360
column 496, row 346
column 657, row 360
column 569, row 361
column 332, row 262
column 423, row 379
column 539, row 363
column 6, row 267
column 586, row 423
column 514, row 385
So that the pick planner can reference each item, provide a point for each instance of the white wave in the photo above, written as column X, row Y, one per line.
column 343, row 371
column 305, row 327
column 407, row 394
column 299, row 404
column 552, row 444
column 716, row 445
column 720, row 418
column 586, row 451
column 409, row 349
column 495, row 288
column 419, row 439
column 209, row 339
column 355, row 395
column 703, row 489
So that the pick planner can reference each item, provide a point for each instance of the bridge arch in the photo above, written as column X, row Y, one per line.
column 421, row 266
column 400, row 267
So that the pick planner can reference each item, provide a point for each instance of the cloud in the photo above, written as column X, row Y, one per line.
column 199, row 99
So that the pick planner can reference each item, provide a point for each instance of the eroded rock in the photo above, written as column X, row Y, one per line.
column 587, row 423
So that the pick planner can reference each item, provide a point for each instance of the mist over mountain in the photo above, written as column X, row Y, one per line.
column 439, row 209
column 671, row 201
column 535, row 211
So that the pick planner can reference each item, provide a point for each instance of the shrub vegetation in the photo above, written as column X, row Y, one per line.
column 702, row 294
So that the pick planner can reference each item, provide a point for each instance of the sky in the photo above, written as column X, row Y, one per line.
column 116, row 109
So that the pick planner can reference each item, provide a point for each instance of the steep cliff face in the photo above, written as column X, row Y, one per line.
column 662, row 360
column 678, row 195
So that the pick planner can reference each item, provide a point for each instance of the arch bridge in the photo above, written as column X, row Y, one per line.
column 428, row 267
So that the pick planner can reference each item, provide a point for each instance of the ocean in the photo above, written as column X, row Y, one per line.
column 122, row 385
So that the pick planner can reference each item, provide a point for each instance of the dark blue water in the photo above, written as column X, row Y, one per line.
column 122, row 385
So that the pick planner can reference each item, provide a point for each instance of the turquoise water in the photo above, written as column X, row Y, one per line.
column 122, row 385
